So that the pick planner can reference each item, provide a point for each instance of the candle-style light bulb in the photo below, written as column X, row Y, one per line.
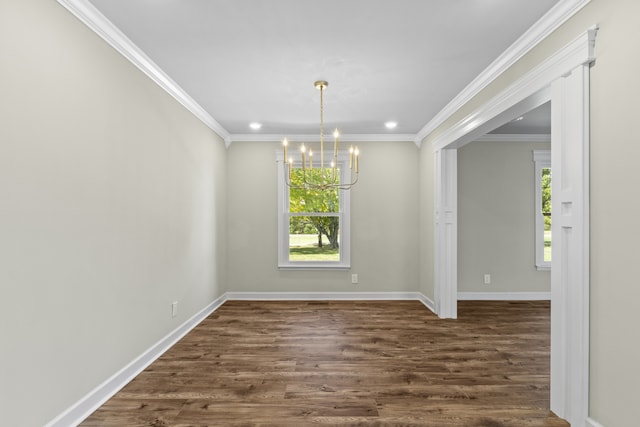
column 284, row 144
column 303, row 150
column 351, row 157
column 310, row 159
column 336, row 134
column 356, row 153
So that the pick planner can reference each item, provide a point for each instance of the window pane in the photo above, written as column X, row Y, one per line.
column 547, row 242
column 303, row 200
column 546, row 190
column 546, row 211
column 314, row 238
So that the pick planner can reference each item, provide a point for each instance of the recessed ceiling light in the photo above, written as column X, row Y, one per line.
column 391, row 125
column 255, row 125
column 518, row 119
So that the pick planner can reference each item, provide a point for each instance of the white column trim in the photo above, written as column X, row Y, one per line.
column 570, row 263
column 446, row 233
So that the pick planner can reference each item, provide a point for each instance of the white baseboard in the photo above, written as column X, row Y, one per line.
column 592, row 423
column 321, row 296
column 76, row 413
column 98, row 396
column 332, row 296
column 428, row 302
column 504, row 296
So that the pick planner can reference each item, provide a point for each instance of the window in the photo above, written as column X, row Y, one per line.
column 542, row 159
column 313, row 225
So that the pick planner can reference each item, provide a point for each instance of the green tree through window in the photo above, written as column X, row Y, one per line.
column 546, row 211
column 314, row 220
column 542, row 166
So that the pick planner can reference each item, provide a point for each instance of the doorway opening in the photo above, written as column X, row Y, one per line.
column 563, row 80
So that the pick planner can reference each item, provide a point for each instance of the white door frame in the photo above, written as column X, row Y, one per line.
column 562, row 79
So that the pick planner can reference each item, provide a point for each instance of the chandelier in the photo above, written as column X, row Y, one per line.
column 321, row 176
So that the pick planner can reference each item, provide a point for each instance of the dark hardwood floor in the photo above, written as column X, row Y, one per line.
column 339, row 363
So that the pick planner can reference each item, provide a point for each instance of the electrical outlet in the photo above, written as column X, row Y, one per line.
column 354, row 278
column 174, row 309
column 487, row 279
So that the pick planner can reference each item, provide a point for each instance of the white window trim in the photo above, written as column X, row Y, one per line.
column 283, row 220
column 542, row 160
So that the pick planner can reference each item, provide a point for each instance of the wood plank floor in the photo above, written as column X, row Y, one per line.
column 345, row 363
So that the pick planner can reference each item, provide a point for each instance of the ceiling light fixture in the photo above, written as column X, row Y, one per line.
column 321, row 178
column 391, row 125
column 255, row 125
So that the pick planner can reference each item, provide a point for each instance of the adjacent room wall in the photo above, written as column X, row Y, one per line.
column 384, row 221
column 111, row 207
column 614, row 269
column 496, row 218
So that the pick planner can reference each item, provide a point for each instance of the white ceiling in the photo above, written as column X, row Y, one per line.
column 256, row 60
column 536, row 121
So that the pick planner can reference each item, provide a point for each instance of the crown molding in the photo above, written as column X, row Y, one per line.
column 99, row 24
column 557, row 16
column 249, row 137
column 528, row 92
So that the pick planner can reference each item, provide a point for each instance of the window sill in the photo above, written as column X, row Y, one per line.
column 314, row 266
column 543, row 267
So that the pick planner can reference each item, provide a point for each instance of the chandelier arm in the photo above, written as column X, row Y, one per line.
column 329, row 179
column 310, row 185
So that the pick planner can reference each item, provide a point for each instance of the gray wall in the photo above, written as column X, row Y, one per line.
column 496, row 218
column 384, row 218
column 111, row 207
